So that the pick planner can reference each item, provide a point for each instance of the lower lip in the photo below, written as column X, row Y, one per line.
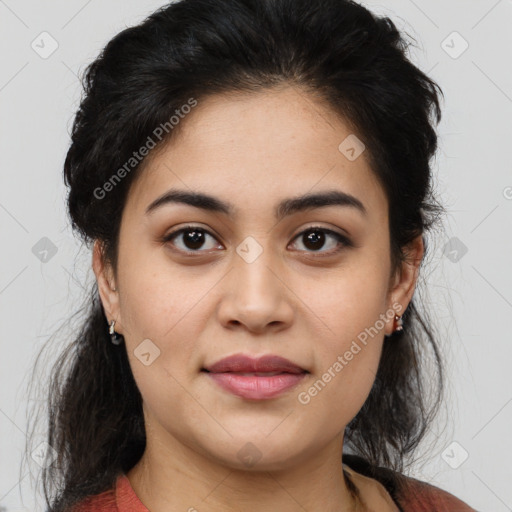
column 254, row 387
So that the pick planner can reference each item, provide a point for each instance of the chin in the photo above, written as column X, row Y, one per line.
column 259, row 454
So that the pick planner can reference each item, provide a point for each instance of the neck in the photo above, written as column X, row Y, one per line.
column 172, row 477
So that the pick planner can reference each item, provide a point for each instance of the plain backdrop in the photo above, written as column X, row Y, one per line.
column 466, row 46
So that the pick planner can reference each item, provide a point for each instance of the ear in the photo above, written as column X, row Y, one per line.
column 403, row 282
column 109, row 295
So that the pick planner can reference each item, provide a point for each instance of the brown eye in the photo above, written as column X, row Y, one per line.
column 316, row 238
column 191, row 239
column 194, row 239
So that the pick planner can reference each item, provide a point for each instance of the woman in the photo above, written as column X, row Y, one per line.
column 254, row 179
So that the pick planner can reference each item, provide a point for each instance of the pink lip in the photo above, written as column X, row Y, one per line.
column 227, row 373
column 253, row 387
column 242, row 363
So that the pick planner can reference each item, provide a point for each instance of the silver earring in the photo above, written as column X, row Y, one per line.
column 115, row 338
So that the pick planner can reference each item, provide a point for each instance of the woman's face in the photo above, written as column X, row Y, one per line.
column 256, row 280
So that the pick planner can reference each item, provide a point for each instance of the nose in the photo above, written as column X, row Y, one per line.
column 256, row 296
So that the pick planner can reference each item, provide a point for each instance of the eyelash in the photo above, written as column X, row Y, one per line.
column 343, row 240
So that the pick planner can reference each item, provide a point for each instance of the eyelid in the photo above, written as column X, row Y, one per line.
column 343, row 239
column 189, row 227
column 325, row 229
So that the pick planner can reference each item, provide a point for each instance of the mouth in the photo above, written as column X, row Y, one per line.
column 255, row 379
column 256, row 374
column 263, row 365
column 256, row 386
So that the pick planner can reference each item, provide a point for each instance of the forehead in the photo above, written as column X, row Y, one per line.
column 262, row 145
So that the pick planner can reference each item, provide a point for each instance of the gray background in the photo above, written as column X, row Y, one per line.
column 469, row 293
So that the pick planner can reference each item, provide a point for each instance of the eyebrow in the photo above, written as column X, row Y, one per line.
column 285, row 208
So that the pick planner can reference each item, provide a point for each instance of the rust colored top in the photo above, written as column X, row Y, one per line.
column 410, row 495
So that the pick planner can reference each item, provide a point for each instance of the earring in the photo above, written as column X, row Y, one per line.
column 115, row 338
column 398, row 325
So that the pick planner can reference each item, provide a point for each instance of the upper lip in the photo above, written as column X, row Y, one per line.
column 245, row 364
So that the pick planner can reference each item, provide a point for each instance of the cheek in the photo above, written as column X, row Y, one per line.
column 350, row 305
column 346, row 368
column 157, row 297
column 157, row 317
column 349, row 301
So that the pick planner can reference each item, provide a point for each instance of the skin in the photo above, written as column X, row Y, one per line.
column 253, row 150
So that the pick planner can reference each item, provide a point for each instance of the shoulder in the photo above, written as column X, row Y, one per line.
column 411, row 494
column 104, row 502
column 120, row 498
column 422, row 497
